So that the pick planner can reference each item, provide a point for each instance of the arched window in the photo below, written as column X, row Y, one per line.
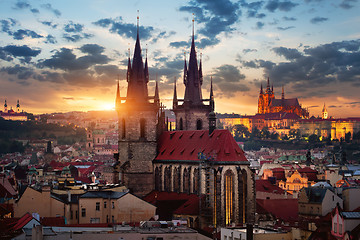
column 229, row 197
column 196, row 181
column 181, row 124
column 167, row 179
column 158, row 179
column 242, row 190
column 186, row 181
column 142, row 128
column 199, row 124
column 123, row 129
column 177, row 179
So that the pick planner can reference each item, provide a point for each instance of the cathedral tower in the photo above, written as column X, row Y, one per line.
column 192, row 114
column 325, row 114
column 140, row 122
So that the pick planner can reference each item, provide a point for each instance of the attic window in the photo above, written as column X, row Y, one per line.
column 182, row 151
column 202, row 135
column 180, row 135
column 192, row 135
column 172, row 135
column 192, row 151
column 172, row 151
column 162, row 152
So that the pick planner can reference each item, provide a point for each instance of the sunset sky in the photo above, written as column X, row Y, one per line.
column 60, row 56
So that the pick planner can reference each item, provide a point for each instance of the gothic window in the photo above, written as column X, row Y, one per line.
column 199, row 124
column 157, row 179
column 196, row 181
column 186, row 181
column 123, row 129
column 177, row 179
column 181, row 127
column 229, row 197
column 142, row 128
column 242, row 190
column 167, row 179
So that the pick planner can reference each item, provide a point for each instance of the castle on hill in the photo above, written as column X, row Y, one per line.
column 267, row 103
column 14, row 115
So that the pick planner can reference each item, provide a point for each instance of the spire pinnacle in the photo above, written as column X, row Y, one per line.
column 138, row 18
column 283, row 93
column 156, row 96
column 261, row 89
column 212, row 102
column 117, row 100
column 268, row 85
column 175, row 100
column 193, row 25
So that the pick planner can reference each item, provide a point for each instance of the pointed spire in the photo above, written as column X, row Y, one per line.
column 5, row 105
column 146, row 70
column 200, row 70
column 261, row 89
column 193, row 85
column 156, row 96
column 185, row 69
column 268, row 85
column 118, row 99
column 212, row 102
column 175, row 100
column 272, row 88
column 283, row 93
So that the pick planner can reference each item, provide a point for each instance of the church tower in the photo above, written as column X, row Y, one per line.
column 265, row 98
column 325, row 114
column 18, row 107
column 192, row 114
column 5, row 107
column 140, row 122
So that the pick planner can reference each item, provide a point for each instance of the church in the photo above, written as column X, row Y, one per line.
column 267, row 103
column 196, row 158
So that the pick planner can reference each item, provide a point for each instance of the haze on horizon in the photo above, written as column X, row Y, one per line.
column 61, row 56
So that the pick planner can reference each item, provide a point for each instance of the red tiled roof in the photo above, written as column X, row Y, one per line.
column 189, row 207
column 23, row 221
column 185, row 146
column 284, row 209
column 266, row 186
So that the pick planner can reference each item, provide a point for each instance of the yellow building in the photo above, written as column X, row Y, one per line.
column 295, row 182
column 115, row 207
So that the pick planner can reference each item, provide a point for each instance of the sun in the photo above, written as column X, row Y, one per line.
column 108, row 106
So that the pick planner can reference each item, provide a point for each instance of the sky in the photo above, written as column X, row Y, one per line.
column 60, row 56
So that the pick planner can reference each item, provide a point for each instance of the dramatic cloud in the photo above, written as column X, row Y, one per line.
column 23, row 33
column 228, row 80
column 74, row 32
column 316, row 20
column 48, row 6
column 23, row 53
column 347, row 4
column 50, row 39
column 49, row 23
column 217, row 16
column 125, row 29
column 285, row 6
column 253, row 8
column 66, row 60
column 315, row 66
column 7, row 24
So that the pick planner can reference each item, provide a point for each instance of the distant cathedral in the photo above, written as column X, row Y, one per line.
column 197, row 158
column 269, row 104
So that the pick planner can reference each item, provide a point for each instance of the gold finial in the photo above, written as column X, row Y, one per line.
column 193, row 23
column 129, row 49
column 138, row 20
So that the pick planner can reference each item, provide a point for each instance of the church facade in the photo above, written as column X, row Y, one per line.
column 267, row 103
column 195, row 158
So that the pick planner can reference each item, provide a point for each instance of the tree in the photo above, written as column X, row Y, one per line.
column 294, row 133
column 274, row 136
column 265, row 133
column 241, row 132
column 348, row 137
column 255, row 133
column 313, row 138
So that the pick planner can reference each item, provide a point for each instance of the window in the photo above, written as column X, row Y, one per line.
column 107, row 218
column 340, row 229
column 97, row 206
column 198, row 124
column 335, row 227
column 112, row 219
column 94, row 220
column 142, row 128
column 181, row 127
column 112, row 205
column 83, row 212
column 104, row 204
column 229, row 196
column 71, row 215
column 76, row 214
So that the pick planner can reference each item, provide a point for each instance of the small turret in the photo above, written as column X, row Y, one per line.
column 212, row 102
column 283, row 93
column 18, row 106
column 156, row 95
column 261, row 89
column 5, row 106
column 118, row 99
column 212, row 122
